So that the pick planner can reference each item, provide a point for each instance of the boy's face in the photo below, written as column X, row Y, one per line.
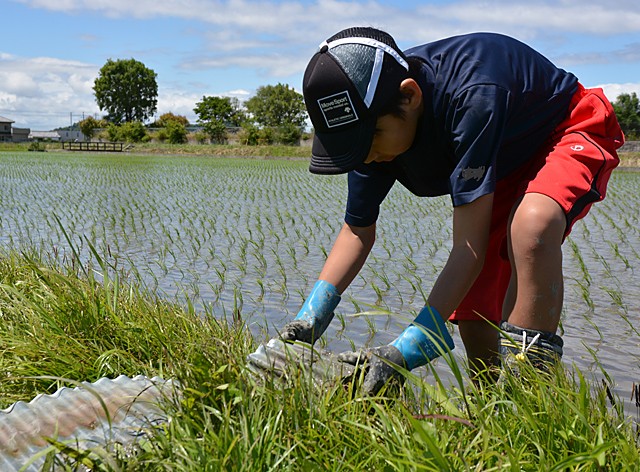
column 393, row 136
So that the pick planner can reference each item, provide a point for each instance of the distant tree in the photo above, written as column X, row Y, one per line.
column 252, row 135
column 131, row 132
column 627, row 108
column 168, row 117
column 89, row 125
column 281, row 108
column 238, row 115
column 277, row 105
column 176, row 132
column 215, row 114
column 127, row 90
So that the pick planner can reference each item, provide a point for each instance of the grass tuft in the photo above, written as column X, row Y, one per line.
column 58, row 323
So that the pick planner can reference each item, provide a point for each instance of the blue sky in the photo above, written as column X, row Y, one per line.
column 51, row 51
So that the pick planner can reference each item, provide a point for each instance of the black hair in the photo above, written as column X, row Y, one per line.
column 394, row 105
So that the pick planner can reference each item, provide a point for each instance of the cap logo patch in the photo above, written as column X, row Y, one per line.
column 337, row 109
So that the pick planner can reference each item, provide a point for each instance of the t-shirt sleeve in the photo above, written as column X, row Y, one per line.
column 368, row 186
column 477, row 116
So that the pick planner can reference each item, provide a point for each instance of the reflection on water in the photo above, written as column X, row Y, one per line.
column 250, row 236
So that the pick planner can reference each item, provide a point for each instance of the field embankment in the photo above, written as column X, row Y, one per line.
column 627, row 158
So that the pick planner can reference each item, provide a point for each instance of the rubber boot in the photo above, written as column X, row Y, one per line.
column 542, row 349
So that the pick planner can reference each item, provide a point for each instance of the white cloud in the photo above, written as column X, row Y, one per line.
column 613, row 90
column 45, row 93
column 239, row 93
column 630, row 53
column 286, row 18
column 42, row 92
column 274, row 39
column 586, row 18
column 178, row 103
column 275, row 65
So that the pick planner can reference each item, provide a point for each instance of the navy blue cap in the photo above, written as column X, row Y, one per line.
column 353, row 75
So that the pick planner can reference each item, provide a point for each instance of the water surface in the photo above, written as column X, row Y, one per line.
column 249, row 237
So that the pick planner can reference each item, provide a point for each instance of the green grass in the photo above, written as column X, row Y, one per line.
column 229, row 150
column 61, row 321
column 630, row 159
column 627, row 159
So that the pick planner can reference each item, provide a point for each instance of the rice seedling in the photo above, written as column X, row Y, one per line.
column 616, row 252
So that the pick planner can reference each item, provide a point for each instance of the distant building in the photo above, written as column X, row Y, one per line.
column 44, row 136
column 20, row 135
column 8, row 133
column 61, row 135
column 70, row 135
column 5, row 129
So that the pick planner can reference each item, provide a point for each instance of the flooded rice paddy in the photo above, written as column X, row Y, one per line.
column 248, row 237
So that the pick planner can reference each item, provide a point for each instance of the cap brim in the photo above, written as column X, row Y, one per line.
column 342, row 151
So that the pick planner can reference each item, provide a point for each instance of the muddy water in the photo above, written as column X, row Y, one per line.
column 251, row 236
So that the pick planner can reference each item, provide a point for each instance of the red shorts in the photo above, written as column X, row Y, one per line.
column 573, row 168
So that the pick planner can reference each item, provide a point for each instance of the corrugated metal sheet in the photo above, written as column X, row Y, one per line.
column 284, row 359
column 102, row 413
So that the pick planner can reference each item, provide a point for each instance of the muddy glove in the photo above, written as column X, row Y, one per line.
column 424, row 340
column 314, row 316
column 381, row 364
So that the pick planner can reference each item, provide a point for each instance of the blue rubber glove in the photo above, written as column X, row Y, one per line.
column 314, row 316
column 424, row 340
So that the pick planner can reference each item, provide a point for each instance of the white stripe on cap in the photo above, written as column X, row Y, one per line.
column 368, row 42
column 375, row 75
column 380, row 48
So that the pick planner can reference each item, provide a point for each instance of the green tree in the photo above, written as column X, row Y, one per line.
column 89, row 125
column 215, row 114
column 252, row 135
column 627, row 108
column 176, row 132
column 277, row 105
column 127, row 90
column 173, row 128
column 281, row 108
column 165, row 118
column 131, row 132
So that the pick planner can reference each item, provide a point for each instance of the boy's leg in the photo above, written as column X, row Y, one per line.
column 534, row 239
column 565, row 180
column 480, row 312
column 481, row 343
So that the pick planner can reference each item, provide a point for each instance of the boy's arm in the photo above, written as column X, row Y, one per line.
column 417, row 345
column 471, row 223
column 349, row 252
column 348, row 255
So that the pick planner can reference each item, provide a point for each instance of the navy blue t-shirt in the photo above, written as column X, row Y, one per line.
column 490, row 102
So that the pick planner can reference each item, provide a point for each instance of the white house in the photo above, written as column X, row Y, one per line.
column 44, row 136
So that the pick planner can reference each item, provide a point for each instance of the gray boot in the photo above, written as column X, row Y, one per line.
column 541, row 348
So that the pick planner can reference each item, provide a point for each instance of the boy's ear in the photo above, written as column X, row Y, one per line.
column 412, row 93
